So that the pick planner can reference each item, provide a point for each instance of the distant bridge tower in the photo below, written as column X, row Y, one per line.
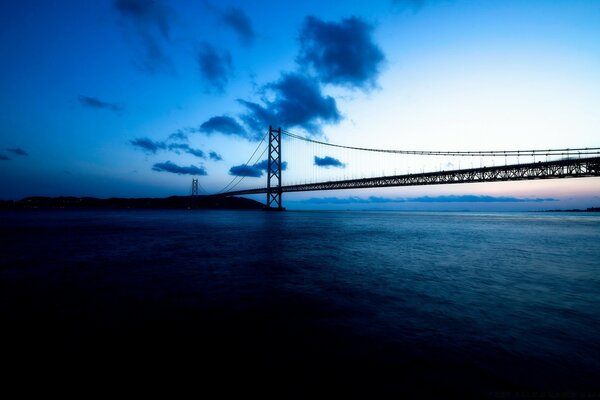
column 194, row 189
column 274, row 171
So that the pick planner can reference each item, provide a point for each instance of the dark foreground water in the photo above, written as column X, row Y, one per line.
column 301, row 304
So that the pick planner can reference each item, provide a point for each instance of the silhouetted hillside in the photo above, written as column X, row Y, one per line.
column 173, row 202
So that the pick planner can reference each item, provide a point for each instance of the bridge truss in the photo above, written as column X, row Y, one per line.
column 565, row 168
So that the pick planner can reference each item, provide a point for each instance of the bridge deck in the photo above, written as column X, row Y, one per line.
column 568, row 168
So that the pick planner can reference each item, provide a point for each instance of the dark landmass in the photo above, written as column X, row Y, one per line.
column 589, row 209
column 173, row 202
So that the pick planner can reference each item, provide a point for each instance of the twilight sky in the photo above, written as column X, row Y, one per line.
column 137, row 97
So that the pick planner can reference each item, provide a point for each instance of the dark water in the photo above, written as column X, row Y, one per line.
column 300, row 304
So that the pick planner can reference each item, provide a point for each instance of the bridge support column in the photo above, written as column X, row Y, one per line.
column 274, row 171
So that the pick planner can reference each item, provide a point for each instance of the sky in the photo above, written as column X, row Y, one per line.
column 135, row 98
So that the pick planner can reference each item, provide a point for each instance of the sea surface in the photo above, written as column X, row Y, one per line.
column 303, row 304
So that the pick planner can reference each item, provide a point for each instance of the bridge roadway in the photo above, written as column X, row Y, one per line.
column 566, row 168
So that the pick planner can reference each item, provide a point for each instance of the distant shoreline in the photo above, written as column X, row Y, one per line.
column 589, row 209
column 172, row 202
column 167, row 203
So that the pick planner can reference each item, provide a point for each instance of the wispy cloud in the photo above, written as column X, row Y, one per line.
column 327, row 162
column 215, row 67
column 150, row 21
column 215, row 156
column 236, row 19
column 178, row 136
column 298, row 102
column 152, row 147
column 178, row 147
column 17, row 151
column 93, row 102
column 148, row 145
column 196, row 152
column 168, row 166
column 223, row 124
column 341, row 53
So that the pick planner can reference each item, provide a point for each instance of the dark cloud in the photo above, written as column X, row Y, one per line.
column 254, row 171
column 245, row 170
column 196, row 152
column 150, row 20
column 264, row 164
column 17, row 151
column 340, row 53
column 424, row 199
column 4, row 158
column 215, row 67
column 238, row 20
column 298, row 101
column 223, row 124
column 176, row 169
column 257, row 118
column 178, row 136
column 179, row 147
column 215, row 156
column 93, row 102
column 148, row 145
column 329, row 162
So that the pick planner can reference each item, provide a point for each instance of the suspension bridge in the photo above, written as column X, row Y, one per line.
column 523, row 165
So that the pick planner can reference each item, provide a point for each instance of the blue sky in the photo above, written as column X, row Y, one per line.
column 137, row 97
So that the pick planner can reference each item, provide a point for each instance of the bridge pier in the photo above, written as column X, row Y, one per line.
column 274, row 171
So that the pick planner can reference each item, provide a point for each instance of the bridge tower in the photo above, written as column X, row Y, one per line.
column 274, row 171
column 194, row 188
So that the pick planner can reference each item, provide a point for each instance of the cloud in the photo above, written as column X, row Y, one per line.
column 223, row 124
column 257, row 118
column 151, row 21
column 17, row 151
column 179, row 147
column 215, row 156
column 148, row 145
column 147, row 11
column 178, row 136
column 93, row 102
column 215, row 67
column 264, row 165
column 236, row 19
column 4, row 158
column 176, row 169
column 245, row 170
column 327, row 162
column 424, row 199
column 196, row 152
column 254, row 171
column 298, row 101
column 341, row 53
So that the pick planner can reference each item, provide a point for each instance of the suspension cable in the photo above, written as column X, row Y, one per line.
column 254, row 165
column 246, row 164
column 492, row 153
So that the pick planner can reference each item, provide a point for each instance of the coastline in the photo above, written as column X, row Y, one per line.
column 172, row 202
